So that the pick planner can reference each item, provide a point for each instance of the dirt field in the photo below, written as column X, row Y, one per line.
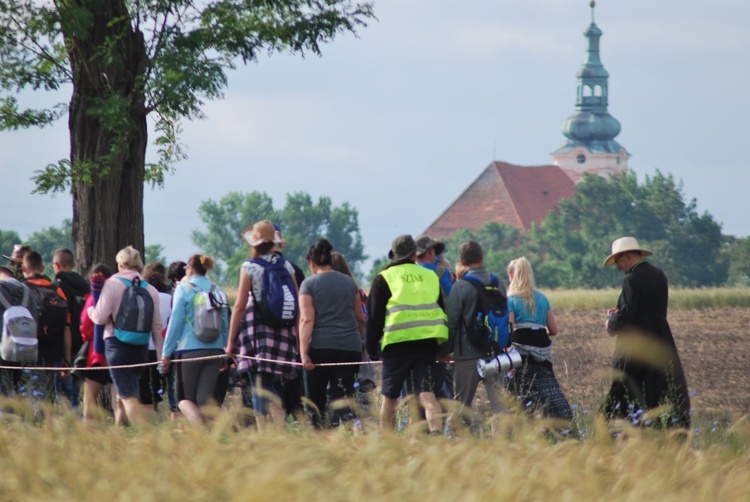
column 714, row 346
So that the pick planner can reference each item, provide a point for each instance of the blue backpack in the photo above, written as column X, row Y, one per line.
column 136, row 314
column 490, row 330
column 279, row 305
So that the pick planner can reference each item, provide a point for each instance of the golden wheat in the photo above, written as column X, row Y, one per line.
column 64, row 459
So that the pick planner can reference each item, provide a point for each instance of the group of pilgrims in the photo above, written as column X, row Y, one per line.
column 290, row 347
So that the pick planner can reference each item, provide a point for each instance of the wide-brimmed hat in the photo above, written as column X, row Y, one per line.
column 623, row 245
column 278, row 238
column 259, row 233
column 17, row 255
column 402, row 248
column 425, row 243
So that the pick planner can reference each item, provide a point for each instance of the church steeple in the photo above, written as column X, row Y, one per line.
column 590, row 132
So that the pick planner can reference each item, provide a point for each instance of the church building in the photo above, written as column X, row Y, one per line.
column 521, row 195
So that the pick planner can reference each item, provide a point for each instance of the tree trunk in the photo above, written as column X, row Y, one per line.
column 108, row 207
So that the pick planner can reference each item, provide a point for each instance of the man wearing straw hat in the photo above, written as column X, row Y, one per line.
column 648, row 371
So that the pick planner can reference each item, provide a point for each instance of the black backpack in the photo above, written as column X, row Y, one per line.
column 52, row 311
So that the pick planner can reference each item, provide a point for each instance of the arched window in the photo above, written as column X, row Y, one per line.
column 598, row 90
column 587, row 90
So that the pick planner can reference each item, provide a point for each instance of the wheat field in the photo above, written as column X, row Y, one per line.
column 60, row 458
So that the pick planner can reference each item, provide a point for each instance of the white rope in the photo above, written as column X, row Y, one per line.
column 191, row 359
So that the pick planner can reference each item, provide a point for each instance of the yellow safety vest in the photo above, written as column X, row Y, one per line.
column 412, row 312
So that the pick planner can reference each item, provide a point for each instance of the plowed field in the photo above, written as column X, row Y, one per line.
column 714, row 345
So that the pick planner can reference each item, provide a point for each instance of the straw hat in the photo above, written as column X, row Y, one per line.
column 623, row 245
column 259, row 233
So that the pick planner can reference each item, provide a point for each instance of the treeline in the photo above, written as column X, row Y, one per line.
column 566, row 249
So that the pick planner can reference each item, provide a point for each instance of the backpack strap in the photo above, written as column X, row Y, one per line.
column 199, row 290
column 4, row 301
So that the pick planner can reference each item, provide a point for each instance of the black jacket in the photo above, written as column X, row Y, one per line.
column 75, row 288
column 645, row 352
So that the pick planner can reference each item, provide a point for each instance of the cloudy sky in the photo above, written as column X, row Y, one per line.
column 400, row 121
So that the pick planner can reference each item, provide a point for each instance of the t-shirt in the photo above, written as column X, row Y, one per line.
column 335, row 324
column 518, row 307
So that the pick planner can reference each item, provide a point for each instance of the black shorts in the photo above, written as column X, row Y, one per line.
column 416, row 368
column 99, row 376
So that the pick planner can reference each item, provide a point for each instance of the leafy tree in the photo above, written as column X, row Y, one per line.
column 737, row 255
column 8, row 239
column 126, row 61
column 49, row 240
column 567, row 248
column 302, row 222
column 686, row 245
column 378, row 266
column 155, row 253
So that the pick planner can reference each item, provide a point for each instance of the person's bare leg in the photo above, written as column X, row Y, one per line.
column 432, row 410
column 91, row 391
column 133, row 410
column 117, row 407
column 191, row 411
column 388, row 413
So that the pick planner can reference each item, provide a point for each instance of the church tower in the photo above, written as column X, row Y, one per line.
column 591, row 130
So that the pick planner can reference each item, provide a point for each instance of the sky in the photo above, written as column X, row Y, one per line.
column 399, row 120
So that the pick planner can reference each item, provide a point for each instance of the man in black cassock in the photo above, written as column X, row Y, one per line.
column 648, row 372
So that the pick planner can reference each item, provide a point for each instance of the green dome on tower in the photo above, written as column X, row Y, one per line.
column 591, row 126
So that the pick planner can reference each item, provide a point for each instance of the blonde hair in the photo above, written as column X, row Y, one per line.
column 129, row 257
column 522, row 282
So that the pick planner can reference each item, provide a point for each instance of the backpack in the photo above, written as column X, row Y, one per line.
column 75, row 305
column 52, row 309
column 279, row 305
column 207, row 311
column 136, row 314
column 19, row 343
column 490, row 330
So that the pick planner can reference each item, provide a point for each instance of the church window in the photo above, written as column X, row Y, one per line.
column 581, row 158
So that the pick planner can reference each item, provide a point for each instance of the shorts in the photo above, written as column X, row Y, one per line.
column 196, row 380
column 100, row 376
column 121, row 354
column 416, row 368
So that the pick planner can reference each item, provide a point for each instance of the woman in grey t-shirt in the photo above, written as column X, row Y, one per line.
column 331, row 321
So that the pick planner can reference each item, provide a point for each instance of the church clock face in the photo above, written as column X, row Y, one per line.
column 581, row 158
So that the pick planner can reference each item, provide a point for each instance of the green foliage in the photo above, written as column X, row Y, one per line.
column 568, row 247
column 378, row 266
column 182, row 50
column 49, row 240
column 155, row 253
column 737, row 254
column 302, row 222
column 8, row 239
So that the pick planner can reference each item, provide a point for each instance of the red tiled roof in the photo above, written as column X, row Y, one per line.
column 505, row 193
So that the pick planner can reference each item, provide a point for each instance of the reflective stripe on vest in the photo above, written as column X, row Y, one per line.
column 412, row 312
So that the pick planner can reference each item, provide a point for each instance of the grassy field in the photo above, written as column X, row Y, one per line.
column 678, row 298
column 63, row 459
